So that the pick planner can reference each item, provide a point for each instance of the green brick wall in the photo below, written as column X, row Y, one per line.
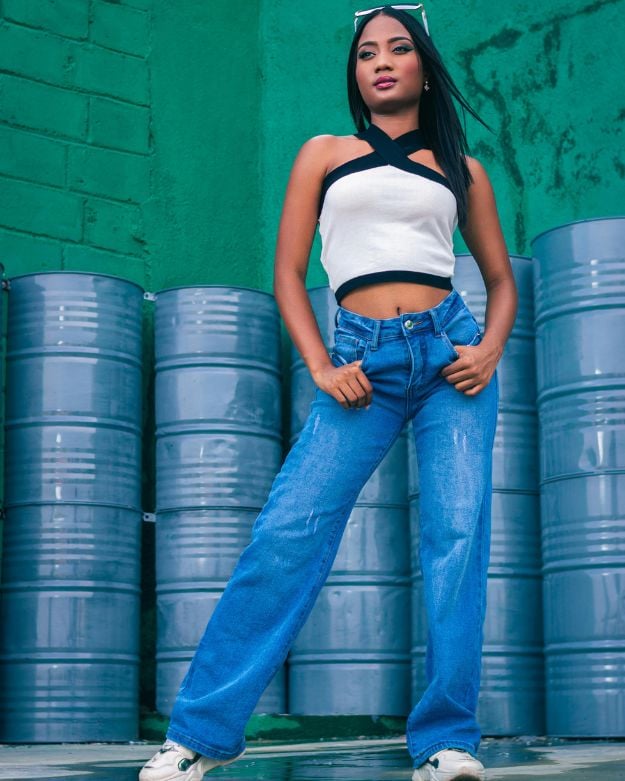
column 75, row 159
column 120, row 138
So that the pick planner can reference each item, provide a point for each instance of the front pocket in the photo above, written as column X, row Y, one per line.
column 347, row 349
column 464, row 330
column 477, row 338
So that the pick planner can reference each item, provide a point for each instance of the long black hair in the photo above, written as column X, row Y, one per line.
column 438, row 117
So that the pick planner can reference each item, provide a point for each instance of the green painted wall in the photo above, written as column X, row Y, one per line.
column 203, row 220
column 153, row 139
column 544, row 77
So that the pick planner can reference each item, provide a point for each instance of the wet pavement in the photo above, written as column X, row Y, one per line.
column 513, row 759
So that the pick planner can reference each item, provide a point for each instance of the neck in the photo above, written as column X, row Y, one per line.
column 394, row 127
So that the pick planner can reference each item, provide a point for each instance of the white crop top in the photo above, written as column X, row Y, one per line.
column 385, row 217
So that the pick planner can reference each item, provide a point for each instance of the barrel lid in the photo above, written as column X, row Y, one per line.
column 575, row 222
column 79, row 273
column 223, row 287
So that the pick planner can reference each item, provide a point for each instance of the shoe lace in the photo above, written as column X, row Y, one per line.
column 186, row 761
column 435, row 762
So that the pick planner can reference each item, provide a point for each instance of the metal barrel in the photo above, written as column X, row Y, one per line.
column 359, row 627
column 71, row 574
column 511, row 697
column 218, row 409
column 579, row 291
column 3, row 310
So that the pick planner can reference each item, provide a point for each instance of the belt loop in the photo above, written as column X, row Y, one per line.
column 435, row 321
column 375, row 334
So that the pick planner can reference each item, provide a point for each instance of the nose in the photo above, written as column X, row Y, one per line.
column 382, row 60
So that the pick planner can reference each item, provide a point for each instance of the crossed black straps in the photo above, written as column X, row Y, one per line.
column 395, row 151
column 390, row 149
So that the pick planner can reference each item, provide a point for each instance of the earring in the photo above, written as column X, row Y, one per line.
column 426, row 86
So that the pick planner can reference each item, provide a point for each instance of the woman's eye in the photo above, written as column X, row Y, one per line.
column 361, row 55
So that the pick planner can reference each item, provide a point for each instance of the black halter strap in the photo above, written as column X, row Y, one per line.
column 394, row 150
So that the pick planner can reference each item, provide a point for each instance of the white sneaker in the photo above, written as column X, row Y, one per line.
column 450, row 764
column 174, row 762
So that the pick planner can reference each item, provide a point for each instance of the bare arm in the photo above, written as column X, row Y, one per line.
column 348, row 384
column 296, row 232
column 484, row 239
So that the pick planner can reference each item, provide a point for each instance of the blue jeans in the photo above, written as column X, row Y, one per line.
column 297, row 533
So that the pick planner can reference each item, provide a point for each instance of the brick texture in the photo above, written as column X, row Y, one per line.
column 75, row 142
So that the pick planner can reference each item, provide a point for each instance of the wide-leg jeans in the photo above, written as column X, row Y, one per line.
column 296, row 535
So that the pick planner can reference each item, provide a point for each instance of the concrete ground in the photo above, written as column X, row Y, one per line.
column 512, row 759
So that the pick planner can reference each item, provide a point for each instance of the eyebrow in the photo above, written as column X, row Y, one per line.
column 390, row 40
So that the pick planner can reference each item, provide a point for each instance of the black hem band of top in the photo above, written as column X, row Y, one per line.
column 392, row 276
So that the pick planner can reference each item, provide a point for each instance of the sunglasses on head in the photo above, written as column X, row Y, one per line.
column 404, row 7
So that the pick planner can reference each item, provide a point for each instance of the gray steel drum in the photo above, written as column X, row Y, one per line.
column 71, row 574
column 512, row 691
column 3, row 295
column 218, row 448
column 352, row 656
column 579, row 286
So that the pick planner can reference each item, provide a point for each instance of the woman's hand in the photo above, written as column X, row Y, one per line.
column 348, row 384
column 472, row 371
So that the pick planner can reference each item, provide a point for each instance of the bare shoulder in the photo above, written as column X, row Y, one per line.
column 478, row 172
column 327, row 138
column 481, row 206
column 320, row 144
column 315, row 154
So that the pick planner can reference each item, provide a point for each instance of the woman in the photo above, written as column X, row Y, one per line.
column 406, row 347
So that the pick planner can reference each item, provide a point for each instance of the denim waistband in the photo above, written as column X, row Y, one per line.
column 408, row 322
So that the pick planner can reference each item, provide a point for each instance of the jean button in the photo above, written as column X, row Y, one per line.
column 408, row 323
